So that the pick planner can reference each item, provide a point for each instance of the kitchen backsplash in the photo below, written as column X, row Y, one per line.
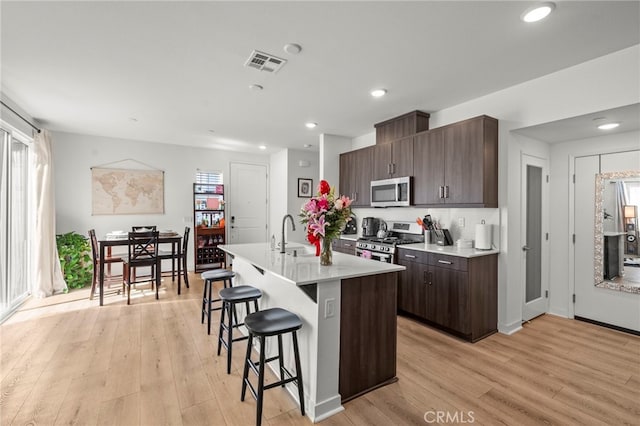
column 447, row 218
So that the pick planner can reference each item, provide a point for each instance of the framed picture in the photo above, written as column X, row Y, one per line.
column 305, row 187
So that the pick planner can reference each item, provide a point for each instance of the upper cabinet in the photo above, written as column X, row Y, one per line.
column 457, row 165
column 402, row 126
column 356, row 175
column 394, row 159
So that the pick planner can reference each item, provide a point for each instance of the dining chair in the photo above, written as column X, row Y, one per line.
column 182, row 257
column 141, row 253
column 108, row 260
column 139, row 228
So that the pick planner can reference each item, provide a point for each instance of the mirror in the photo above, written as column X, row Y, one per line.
column 617, row 262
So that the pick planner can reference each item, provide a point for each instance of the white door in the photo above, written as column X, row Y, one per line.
column 534, row 235
column 248, row 209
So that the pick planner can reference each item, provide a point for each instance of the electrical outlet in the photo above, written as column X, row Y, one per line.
column 329, row 308
column 461, row 222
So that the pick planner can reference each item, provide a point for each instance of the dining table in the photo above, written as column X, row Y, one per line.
column 109, row 241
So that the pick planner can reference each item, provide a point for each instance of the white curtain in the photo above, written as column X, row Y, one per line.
column 48, row 278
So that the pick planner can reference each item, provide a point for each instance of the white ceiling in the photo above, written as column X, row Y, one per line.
column 178, row 67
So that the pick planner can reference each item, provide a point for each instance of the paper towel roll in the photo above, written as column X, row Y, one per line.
column 483, row 236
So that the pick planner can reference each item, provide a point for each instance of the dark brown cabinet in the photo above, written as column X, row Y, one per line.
column 393, row 159
column 457, row 165
column 456, row 294
column 356, row 175
column 402, row 126
column 344, row 246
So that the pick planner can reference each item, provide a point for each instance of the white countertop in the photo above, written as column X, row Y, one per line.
column 306, row 268
column 449, row 250
column 350, row 237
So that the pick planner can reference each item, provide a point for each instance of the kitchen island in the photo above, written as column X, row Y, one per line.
column 348, row 311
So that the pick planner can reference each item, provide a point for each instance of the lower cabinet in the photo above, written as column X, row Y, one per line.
column 456, row 294
column 344, row 246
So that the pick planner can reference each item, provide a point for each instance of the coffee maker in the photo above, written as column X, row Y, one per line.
column 370, row 226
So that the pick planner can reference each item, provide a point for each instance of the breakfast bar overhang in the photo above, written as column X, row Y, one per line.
column 348, row 310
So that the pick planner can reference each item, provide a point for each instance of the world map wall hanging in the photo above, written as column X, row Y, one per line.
column 126, row 191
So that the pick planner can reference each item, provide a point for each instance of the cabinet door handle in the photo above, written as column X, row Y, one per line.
column 430, row 275
column 355, row 196
column 393, row 168
column 441, row 192
column 388, row 168
column 425, row 277
column 446, row 262
column 446, row 191
column 410, row 256
column 346, row 244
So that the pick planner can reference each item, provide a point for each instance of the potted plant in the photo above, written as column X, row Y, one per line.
column 75, row 260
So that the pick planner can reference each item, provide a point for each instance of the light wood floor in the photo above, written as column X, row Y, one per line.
column 67, row 361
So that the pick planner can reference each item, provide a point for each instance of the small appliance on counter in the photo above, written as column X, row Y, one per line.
column 351, row 227
column 370, row 226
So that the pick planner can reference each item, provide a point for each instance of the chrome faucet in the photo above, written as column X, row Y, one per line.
column 293, row 228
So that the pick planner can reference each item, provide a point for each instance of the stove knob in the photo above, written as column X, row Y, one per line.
column 387, row 248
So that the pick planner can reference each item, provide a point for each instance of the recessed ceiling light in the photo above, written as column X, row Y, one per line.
column 608, row 126
column 538, row 12
column 256, row 87
column 135, row 120
column 263, row 147
column 211, row 131
column 378, row 93
column 310, row 125
column 307, row 145
column 292, row 48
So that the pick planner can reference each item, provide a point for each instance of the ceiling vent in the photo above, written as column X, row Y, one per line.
column 264, row 62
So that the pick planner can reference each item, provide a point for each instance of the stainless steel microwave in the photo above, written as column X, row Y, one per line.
column 394, row 192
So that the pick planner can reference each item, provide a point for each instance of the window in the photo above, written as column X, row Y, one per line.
column 15, row 219
column 209, row 178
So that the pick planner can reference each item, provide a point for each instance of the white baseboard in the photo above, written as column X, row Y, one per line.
column 509, row 329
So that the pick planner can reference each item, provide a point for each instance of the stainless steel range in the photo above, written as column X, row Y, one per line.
column 384, row 249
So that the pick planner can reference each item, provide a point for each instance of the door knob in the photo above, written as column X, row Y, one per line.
column 526, row 248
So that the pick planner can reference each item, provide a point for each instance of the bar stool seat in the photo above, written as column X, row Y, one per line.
column 230, row 297
column 263, row 324
column 209, row 278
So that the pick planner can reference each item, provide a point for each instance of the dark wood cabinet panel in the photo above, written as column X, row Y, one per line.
column 452, row 299
column 344, row 246
column 402, row 126
column 393, row 159
column 356, row 174
column 402, row 157
column 428, row 167
column 367, row 336
column 457, row 165
column 456, row 294
column 381, row 162
column 412, row 288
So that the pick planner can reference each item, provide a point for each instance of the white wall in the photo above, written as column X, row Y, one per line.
column 75, row 154
column 606, row 82
column 331, row 146
column 294, row 203
column 285, row 171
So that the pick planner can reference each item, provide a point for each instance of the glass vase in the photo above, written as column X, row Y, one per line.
column 326, row 256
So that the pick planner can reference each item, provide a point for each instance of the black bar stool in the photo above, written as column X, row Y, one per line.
column 207, row 301
column 230, row 297
column 263, row 324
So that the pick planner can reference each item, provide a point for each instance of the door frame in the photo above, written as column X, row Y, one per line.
column 543, row 163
